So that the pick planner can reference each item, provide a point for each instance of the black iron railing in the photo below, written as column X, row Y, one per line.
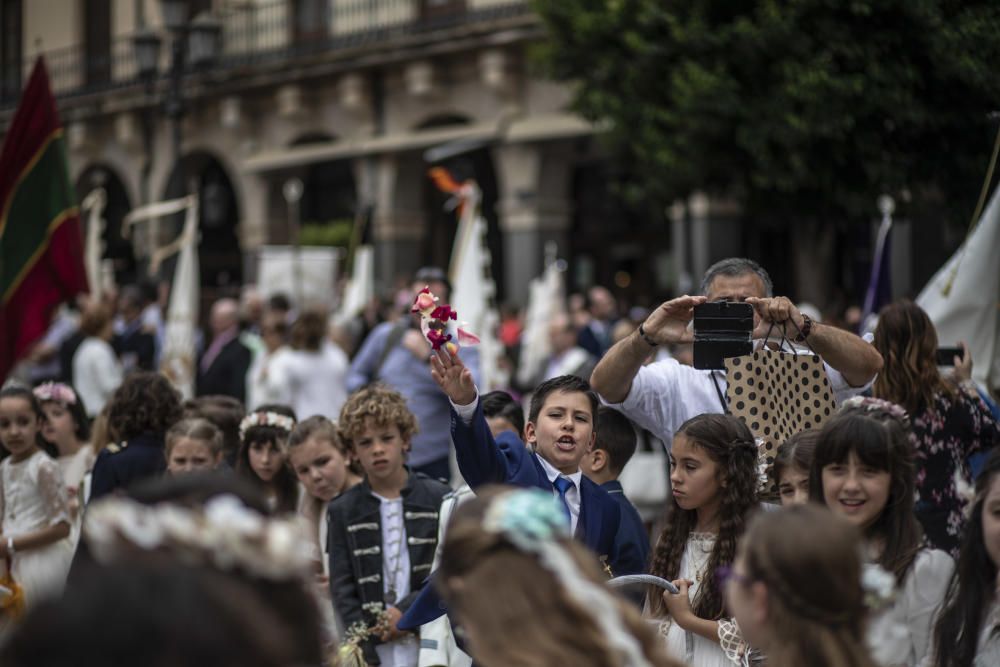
column 271, row 32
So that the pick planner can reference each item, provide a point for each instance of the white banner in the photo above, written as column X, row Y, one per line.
column 963, row 298
column 305, row 275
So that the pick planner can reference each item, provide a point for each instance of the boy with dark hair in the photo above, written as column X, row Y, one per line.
column 613, row 447
column 503, row 413
column 559, row 432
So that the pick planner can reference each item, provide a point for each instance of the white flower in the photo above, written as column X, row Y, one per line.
column 878, row 584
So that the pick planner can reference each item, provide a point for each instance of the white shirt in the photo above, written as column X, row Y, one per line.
column 317, row 381
column 395, row 578
column 266, row 381
column 96, row 374
column 466, row 412
column 666, row 394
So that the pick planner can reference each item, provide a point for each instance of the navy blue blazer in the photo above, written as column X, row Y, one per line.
column 632, row 533
column 506, row 460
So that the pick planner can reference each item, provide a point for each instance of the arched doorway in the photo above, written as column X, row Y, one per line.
column 329, row 198
column 442, row 225
column 219, row 255
column 115, row 247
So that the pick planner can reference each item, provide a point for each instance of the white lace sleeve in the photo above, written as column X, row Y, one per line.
column 732, row 643
column 53, row 492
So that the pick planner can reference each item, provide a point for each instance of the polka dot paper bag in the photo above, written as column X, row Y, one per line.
column 777, row 394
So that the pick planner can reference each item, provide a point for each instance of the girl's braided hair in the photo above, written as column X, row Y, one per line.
column 730, row 444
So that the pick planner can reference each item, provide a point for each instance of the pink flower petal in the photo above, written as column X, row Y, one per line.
column 466, row 338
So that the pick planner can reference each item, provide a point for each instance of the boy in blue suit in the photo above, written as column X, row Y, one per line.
column 559, row 433
column 613, row 447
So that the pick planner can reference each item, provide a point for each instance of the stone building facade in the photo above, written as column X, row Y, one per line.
column 358, row 98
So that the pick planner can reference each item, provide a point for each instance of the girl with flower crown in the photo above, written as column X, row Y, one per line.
column 34, row 518
column 263, row 456
column 66, row 427
column 528, row 594
column 863, row 470
column 713, row 476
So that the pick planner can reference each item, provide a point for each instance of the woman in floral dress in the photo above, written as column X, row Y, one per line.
column 950, row 421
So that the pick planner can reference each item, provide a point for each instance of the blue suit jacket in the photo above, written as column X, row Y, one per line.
column 632, row 533
column 506, row 460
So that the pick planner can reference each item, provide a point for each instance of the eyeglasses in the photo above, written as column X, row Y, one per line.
column 726, row 573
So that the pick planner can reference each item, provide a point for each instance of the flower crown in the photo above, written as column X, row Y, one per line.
column 274, row 419
column 225, row 534
column 532, row 521
column 55, row 391
column 869, row 404
column 526, row 518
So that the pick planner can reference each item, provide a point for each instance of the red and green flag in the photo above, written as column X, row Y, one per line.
column 41, row 240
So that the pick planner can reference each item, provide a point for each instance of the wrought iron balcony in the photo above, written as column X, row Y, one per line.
column 273, row 32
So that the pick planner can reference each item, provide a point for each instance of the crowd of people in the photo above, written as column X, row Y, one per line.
column 344, row 494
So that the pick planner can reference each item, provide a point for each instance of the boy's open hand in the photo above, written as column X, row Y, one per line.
column 453, row 377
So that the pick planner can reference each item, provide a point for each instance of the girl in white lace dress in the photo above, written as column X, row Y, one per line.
column 967, row 633
column 863, row 470
column 713, row 478
column 34, row 519
column 66, row 427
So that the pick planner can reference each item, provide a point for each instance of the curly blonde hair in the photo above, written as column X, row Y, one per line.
column 380, row 405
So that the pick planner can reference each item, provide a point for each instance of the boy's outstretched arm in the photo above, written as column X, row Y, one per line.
column 453, row 377
column 480, row 459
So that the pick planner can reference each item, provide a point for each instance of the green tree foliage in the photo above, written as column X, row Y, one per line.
column 798, row 108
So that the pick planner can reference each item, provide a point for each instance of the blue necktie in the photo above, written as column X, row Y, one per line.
column 564, row 484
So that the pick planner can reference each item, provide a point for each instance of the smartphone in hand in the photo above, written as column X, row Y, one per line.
column 946, row 355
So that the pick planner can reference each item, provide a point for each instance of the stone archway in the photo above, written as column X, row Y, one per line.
column 116, row 247
column 219, row 254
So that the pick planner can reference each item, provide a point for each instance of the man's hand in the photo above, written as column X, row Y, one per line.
column 453, row 377
column 778, row 311
column 669, row 322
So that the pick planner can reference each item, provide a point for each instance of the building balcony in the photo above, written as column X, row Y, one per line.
column 276, row 35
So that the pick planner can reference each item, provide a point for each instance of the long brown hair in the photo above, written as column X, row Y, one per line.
column 907, row 341
column 810, row 562
column 882, row 441
column 729, row 443
column 972, row 585
column 517, row 611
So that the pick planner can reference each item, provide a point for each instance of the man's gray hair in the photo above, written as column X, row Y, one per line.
column 733, row 267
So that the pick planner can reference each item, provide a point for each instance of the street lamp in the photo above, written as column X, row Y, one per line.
column 196, row 43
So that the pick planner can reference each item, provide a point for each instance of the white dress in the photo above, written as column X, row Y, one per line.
column 33, row 497
column 901, row 634
column 688, row 647
column 96, row 374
